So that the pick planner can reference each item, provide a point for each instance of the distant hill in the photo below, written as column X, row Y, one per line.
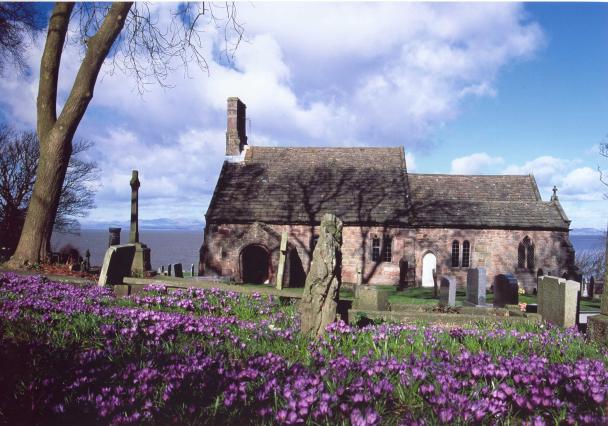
column 587, row 231
column 151, row 224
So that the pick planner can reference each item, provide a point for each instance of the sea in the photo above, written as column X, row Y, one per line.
column 182, row 246
column 166, row 246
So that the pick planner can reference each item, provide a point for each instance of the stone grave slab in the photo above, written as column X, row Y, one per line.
column 505, row 290
column 178, row 271
column 476, row 287
column 557, row 300
column 116, row 264
column 447, row 291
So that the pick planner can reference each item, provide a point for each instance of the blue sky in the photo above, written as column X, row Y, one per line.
column 466, row 88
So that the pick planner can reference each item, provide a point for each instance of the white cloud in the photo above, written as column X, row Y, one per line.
column 338, row 74
column 474, row 164
column 580, row 190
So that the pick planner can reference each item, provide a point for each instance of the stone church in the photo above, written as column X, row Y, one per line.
column 399, row 228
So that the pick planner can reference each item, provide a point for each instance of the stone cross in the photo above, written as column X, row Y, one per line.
column 134, row 235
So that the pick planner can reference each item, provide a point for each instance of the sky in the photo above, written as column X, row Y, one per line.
column 466, row 88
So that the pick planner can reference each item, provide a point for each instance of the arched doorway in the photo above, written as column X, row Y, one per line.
column 429, row 264
column 255, row 264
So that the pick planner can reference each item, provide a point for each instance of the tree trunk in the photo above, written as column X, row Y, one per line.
column 54, row 157
column 56, row 133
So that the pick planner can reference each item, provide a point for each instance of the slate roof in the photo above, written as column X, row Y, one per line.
column 299, row 185
column 502, row 201
column 371, row 186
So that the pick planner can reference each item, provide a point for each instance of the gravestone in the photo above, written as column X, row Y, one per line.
column 114, row 238
column 169, row 270
column 505, row 290
column 192, row 270
column 321, row 290
column 447, row 291
column 558, row 300
column 177, row 271
column 116, row 264
column 476, row 287
column 371, row 298
column 160, row 270
column 281, row 266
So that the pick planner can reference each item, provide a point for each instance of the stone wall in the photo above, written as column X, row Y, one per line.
column 495, row 250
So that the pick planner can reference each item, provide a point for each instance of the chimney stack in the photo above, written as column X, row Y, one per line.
column 236, row 134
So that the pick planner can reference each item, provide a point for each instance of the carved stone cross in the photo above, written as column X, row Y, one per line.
column 134, row 234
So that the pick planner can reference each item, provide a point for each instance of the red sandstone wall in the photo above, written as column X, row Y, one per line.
column 493, row 249
column 223, row 245
column 496, row 250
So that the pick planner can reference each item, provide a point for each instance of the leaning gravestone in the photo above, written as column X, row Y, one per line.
column 505, row 290
column 116, row 264
column 476, row 287
column 557, row 300
column 321, row 290
column 447, row 291
column 178, row 271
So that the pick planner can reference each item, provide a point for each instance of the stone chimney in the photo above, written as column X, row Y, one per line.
column 236, row 134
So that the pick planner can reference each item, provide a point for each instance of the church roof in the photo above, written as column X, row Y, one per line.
column 497, row 201
column 299, row 185
column 371, row 186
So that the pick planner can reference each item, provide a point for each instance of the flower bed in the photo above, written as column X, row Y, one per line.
column 81, row 355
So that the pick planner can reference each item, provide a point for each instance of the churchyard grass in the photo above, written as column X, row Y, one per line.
column 80, row 355
column 424, row 296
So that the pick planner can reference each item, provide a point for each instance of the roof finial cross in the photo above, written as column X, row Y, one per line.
column 554, row 197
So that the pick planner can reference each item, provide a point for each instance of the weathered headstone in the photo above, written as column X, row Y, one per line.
column 557, row 300
column 114, row 238
column 321, row 290
column 192, row 269
column 116, row 264
column 505, row 290
column 447, row 291
column 281, row 266
column 160, row 270
column 169, row 270
column 371, row 298
column 476, row 287
column 177, row 271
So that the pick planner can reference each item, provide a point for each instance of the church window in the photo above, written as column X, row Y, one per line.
column 525, row 254
column 376, row 249
column 455, row 253
column 521, row 256
column 387, row 249
column 466, row 254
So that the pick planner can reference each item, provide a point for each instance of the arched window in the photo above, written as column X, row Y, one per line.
column 455, row 253
column 466, row 254
column 525, row 254
column 521, row 256
column 387, row 249
column 376, row 249
column 530, row 257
